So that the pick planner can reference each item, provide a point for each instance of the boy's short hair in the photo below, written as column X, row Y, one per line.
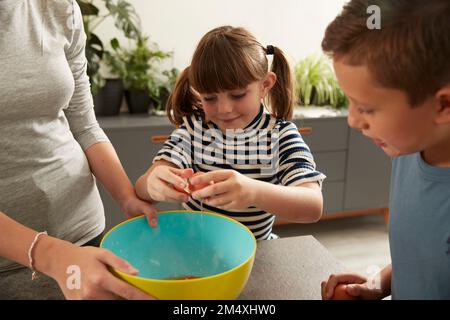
column 411, row 51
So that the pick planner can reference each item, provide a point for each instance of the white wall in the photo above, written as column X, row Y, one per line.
column 296, row 26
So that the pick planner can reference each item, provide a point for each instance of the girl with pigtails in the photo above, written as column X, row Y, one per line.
column 232, row 112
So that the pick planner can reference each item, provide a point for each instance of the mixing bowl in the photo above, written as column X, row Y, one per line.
column 189, row 255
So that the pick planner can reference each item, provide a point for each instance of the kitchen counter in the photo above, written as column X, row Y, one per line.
column 285, row 269
column 126, row 120
column 290, row 269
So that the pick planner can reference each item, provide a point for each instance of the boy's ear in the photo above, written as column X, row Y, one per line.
column 268, row 82
column 443, row 105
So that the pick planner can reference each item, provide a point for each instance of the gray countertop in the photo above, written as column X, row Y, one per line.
column 290, row 269
column 284, row 269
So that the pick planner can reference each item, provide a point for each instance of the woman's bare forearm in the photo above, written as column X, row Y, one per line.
column 107, row 168
column 16, row 240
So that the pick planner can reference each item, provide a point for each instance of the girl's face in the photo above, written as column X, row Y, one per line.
column 235, row 109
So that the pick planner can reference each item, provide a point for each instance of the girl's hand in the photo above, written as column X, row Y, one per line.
column 91, row 278
column 357, row 287
column 135, row 207
column 230, row 189
column 161, row 181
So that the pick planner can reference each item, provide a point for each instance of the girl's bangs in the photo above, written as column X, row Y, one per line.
column 223, row 71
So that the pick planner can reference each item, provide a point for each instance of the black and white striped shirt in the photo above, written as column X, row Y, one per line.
column 267, row 149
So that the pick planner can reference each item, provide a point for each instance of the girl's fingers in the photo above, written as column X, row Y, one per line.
column 212, row 190
column 170, row 194
column 172, row 177
column 229, row 206
column 186, row 173
column 219, row 200
column 162, row 191
column 216, row 176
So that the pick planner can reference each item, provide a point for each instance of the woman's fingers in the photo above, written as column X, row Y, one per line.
column 110, row 259
column 124, row 290
column 151, row 213
column 116, row 286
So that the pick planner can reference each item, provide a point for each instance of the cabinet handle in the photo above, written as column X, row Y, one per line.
column 159, row 139
column 305, row 130
column 162, row 138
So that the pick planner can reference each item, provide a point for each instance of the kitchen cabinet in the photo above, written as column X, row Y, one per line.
column 367, row 174
column 357, row 171
column 328, row 141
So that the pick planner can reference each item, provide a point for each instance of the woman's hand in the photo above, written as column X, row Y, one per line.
column 228, row 189
column 91, row 278
column 134, row 207
column 161, row 180
column 357, row 287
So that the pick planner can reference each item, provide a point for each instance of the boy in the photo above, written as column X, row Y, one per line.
column 397, row 79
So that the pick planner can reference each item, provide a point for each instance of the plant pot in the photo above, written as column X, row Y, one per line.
column 163, row 97
column 108, row 100
column 139, row 101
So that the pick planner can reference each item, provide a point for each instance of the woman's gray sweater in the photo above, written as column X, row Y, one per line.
column 47, row 121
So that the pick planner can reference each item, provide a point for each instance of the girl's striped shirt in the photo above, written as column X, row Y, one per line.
column 267, row 149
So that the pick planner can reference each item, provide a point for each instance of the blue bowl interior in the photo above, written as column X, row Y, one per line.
column 185, row 244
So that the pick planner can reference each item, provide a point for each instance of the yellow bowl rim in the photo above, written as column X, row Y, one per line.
column 184, row 280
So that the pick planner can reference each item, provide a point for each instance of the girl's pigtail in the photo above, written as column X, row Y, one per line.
column 281, row 96
column 182, row 101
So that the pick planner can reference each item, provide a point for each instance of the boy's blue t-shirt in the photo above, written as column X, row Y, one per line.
column 419, row 229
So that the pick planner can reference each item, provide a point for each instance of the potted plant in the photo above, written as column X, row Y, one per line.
column 166, row 88
column 107, row 93
column 138, row 67
column 316, row 83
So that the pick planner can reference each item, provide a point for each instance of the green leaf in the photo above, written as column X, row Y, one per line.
column 316, row 82
column 125, row 18
column 115, row 44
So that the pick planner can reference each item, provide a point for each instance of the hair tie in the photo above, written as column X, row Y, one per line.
column 270, row 50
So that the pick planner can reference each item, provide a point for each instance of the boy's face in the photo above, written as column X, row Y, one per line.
column 385, row 115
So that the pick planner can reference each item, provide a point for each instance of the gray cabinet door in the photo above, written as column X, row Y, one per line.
column 328, row 141
column 327, row 134
column 368, row 174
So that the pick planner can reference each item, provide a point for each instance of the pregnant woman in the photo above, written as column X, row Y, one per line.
column 51, row 147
